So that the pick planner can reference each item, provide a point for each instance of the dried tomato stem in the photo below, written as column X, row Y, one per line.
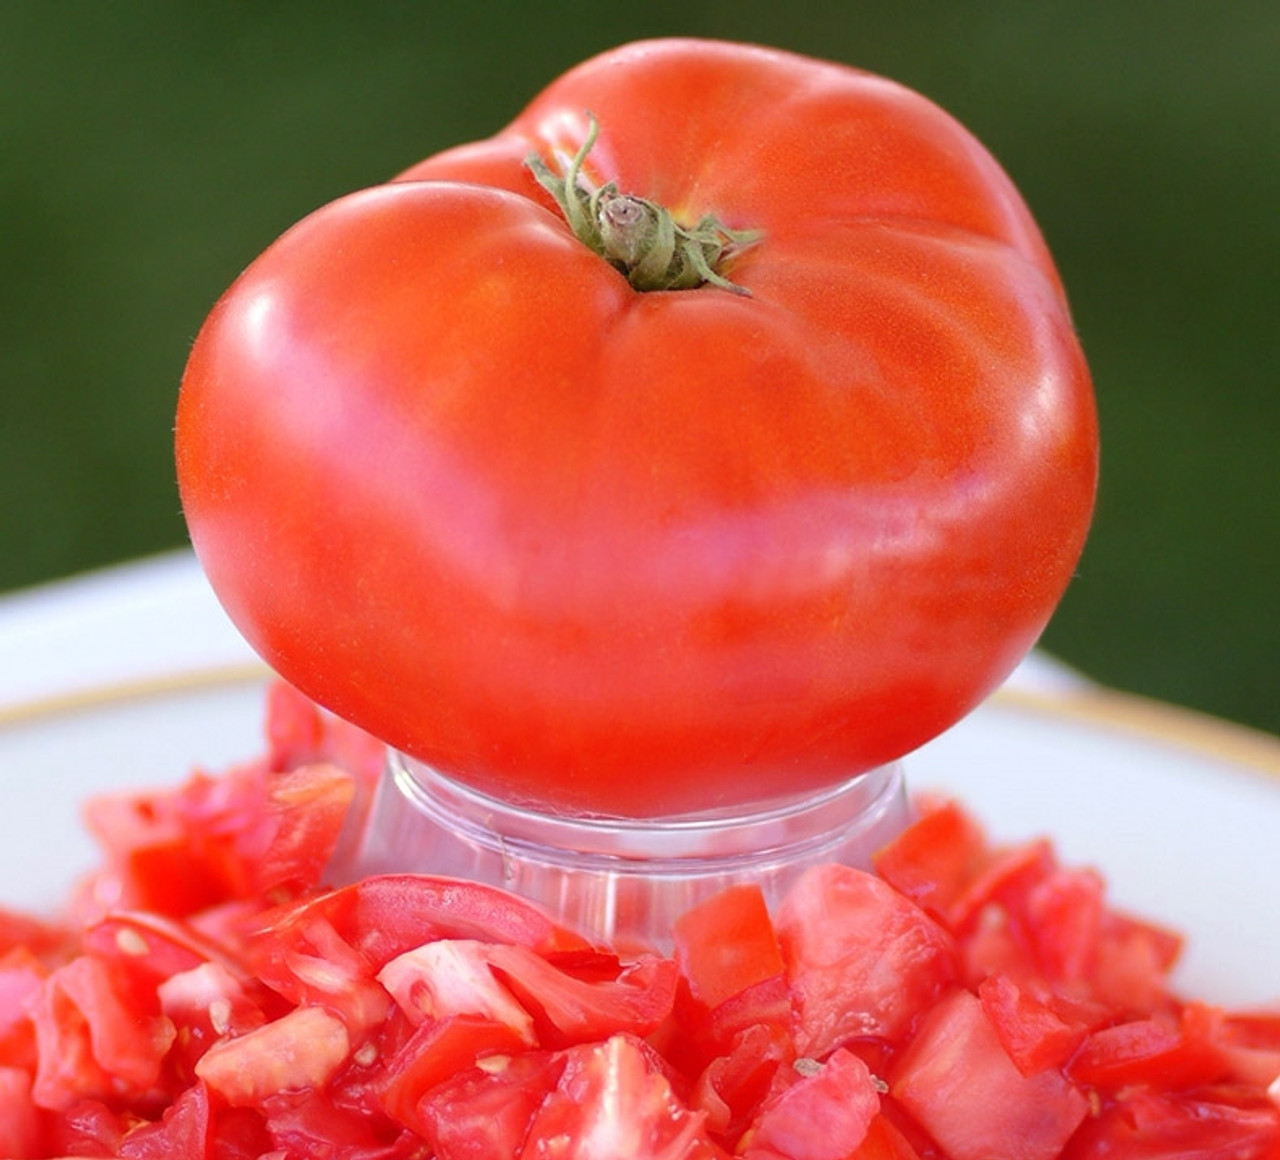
column 639, row 237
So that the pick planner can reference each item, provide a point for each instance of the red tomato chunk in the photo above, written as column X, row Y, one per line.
column 964, row 1002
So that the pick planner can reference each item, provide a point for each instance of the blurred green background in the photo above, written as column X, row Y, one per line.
column 150, row 148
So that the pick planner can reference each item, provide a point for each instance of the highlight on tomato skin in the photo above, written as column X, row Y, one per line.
column 635, row 553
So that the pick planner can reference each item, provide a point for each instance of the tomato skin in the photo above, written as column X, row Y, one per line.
column 385, row 915
column 573, row 1011
column 1177, row 1054
column 1036, row 1029
column 636, row 553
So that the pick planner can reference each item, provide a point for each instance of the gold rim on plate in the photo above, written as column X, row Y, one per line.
column 1096, row 706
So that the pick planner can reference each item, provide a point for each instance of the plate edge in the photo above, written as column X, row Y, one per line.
column 1161, row 721
column 140, row 688
column 1097, row 705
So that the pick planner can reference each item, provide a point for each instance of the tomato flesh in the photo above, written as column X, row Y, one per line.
column 960, row 1084
column 863, row 961
column 726, row 945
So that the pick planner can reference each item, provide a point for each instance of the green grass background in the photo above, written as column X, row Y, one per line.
column 150, row 149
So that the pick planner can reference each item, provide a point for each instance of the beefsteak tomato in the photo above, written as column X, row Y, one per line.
column 640, row 552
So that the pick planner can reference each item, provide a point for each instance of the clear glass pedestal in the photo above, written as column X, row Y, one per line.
column 621, row 881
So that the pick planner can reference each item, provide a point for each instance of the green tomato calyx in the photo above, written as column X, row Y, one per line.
column 638, row 237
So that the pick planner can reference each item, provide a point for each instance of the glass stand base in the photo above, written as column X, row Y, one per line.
column 619, row 880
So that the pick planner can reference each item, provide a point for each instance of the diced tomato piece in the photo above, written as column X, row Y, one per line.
column 944, row 863
column 883, row 1141
column 386, row 915
column 249, row 832
column 1006, row 881
column 1037, row 1028
column 1251, row 1042
column 44, row 939
column 205, row 1004
column 67, row 1071
column 309, row 1126
column 692, row 1036
column 152, row 860
column 453, row 977
column 1154, row 1125
column 185, row 1132
column 906, row 1126
column 1256, row 1067
column 863, row 960
column 956, row 1079
column 993, row 947
column 240, row 1134
column 934, row 860
column 1259, row 1029
column 732, row 1086
column 611, row 1102
column 307, row 807
column 153, row 946
column 766, row 1003
column 300, row 733
column 1132, row 965
column 485, row 1112
column 300, row 1050
column 89, row 1128
column 1173, row 1054
column 727, row 944
column 435, row 1052
column 822, row 1116
column 567, row 1010
column 310, row 962
column 22, row 976
column 1063, row 921
column 20, row 1130
column 96, row 1036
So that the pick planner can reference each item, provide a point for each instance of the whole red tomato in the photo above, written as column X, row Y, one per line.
column 647, row 552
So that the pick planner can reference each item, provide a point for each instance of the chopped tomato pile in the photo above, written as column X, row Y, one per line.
column 206, row 996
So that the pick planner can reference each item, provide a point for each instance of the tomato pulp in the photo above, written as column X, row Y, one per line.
column 639, row 553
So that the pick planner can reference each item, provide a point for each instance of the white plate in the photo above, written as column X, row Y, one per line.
column 1181, row 814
